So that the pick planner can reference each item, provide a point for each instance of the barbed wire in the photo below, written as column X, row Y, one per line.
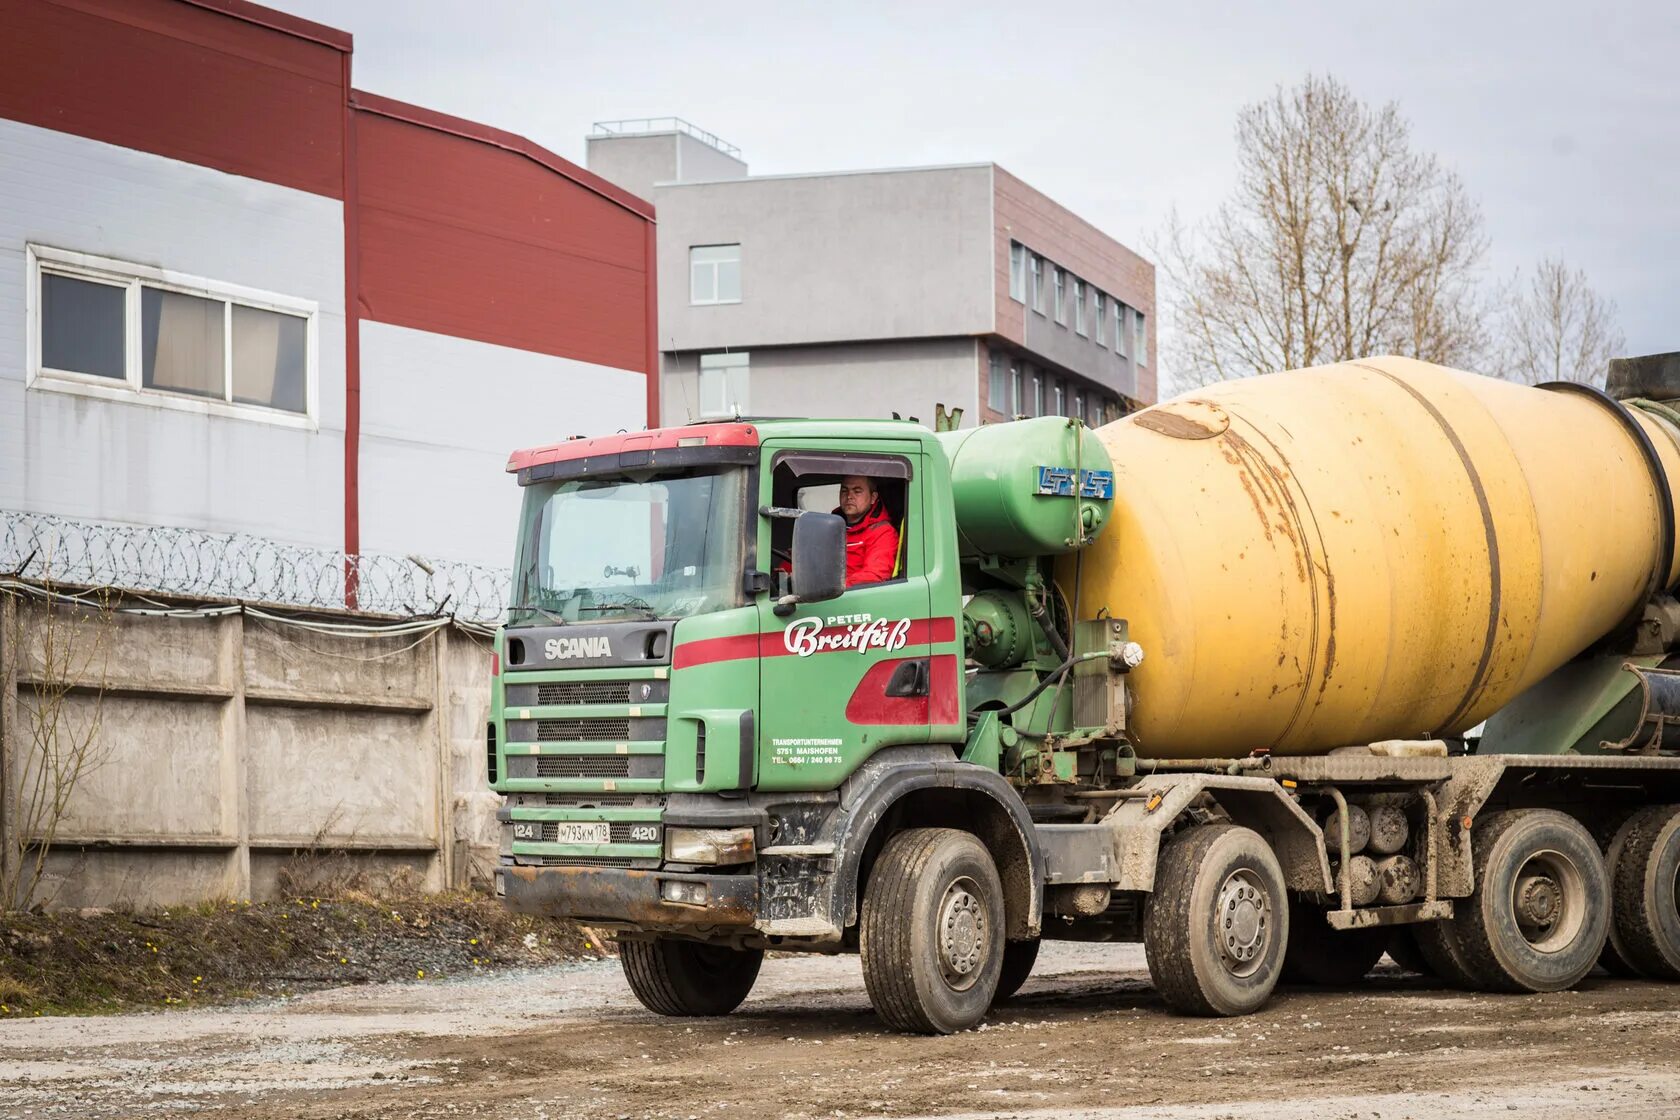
column 247, row 568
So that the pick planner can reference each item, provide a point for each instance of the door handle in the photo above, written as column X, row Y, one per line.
column 909, row 679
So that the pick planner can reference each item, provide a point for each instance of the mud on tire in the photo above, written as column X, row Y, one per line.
column 1644, row 881
column 931, row 931
column 1539, row 912
column 1217, row 923
column 673, row 977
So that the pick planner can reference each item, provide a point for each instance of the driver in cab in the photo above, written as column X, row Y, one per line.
column 871, row 540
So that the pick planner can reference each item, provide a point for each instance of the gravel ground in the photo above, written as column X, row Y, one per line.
column 1087, row 1037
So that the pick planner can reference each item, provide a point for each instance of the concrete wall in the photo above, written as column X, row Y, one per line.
column 439, row 417
column 638, row 162
column 226, row 749
column 126, row 460
column 849, row 257
column 855, row 380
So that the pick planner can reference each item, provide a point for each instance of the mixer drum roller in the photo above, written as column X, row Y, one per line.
column 1370, row 550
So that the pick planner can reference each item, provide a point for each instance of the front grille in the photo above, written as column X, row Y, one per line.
column 589, row 861
column 588, row 800
column 579, row 730
column 583, row 766
column 620, row 833
column 584, row 692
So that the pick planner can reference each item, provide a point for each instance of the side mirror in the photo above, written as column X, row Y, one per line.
column 819, row 557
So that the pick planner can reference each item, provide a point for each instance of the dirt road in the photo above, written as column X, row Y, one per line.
column 1087, row 1037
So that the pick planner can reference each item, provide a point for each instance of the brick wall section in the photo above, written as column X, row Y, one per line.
column 1061, row 236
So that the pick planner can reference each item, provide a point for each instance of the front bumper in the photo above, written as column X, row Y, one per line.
column 621, row 894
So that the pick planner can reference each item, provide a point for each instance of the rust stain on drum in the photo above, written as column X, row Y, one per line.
column 1192, row 419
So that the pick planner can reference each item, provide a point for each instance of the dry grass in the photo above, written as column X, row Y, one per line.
column 69, row 962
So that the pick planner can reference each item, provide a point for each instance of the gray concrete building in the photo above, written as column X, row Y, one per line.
column 864, row 293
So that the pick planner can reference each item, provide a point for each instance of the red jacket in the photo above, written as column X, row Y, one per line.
column 871, row 547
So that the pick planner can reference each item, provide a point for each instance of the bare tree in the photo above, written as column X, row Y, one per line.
column 1555, row 327
column 54, row 652
column 1341, row 241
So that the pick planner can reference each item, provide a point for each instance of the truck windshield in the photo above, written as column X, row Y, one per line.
column 660, row 546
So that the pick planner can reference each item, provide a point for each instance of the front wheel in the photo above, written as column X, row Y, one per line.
column 674, row 977
column 1216, row 926
column 931, row 931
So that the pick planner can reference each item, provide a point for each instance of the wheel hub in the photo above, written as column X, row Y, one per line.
column 1243, row 919
column 1539, row 899
column 962, row 931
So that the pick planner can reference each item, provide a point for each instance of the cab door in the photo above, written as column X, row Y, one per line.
column 844, row 678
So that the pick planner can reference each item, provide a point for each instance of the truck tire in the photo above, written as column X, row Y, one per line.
column 1403, row 950
column 1437, row 943
column 1319, row 955
column 931, row 934
column 1217, row 923
column 1018, row 960
column 1610, row 835
column 1645, row 878
column 673, row 977
column 1539, row 910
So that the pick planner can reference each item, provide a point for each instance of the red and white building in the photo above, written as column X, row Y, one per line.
column 238, row 294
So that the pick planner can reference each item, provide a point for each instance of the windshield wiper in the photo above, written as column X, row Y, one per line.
column 558, row 620
column 628, row 602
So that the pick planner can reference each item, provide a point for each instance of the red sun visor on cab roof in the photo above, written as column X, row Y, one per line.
column 613, row 451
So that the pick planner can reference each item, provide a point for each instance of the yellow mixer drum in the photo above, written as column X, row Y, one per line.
column 1376, row 549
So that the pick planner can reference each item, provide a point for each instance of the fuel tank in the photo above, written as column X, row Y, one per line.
column 1370, row 550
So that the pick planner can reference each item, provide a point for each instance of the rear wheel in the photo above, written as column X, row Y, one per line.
column 1645, row 892
column 1217, row 922
column 1539, row 912
column 931, row 932
column 1018, row 960
column 1437, row 943
column 674, row 977
column 1319, row 954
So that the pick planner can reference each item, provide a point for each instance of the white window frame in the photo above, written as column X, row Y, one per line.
column 1140, row 342
column 735, row 367
column 1122, row 324
column 1017, row 272
column 1079, row 311
column 713, row 265
column 131, row 277
column 1099, row 330
column 1058, row 281
column 1035, row 281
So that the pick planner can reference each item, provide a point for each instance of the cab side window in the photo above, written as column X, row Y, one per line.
column 815, row 482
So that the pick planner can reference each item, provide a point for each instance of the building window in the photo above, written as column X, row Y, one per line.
column 1058, row 398
column 1059, row 280
column 997, row 385
column 714, row 274
column 1017, row 391
column 723, row 384
column 1121, row 328
column 107, row 328
column 1037, row 278
column 1079, row 307
column 1017, row 272
column 1037, row 393
column 1100, row 333
column 1142, row 348
column 1078, row 404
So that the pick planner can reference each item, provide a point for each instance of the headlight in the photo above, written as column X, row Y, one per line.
column 709, row 845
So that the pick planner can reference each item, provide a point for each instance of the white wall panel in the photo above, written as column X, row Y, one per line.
column 439, row 417
column 126, row 461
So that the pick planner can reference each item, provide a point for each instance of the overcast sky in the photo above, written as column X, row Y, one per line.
column 1562, row 119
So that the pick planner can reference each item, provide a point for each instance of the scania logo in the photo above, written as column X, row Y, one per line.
column 564, row 649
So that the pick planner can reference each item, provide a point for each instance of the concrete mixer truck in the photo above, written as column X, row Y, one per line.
column 1199, row 678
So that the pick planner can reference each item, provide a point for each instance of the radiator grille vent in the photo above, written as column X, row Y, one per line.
column 583, row 766
column 591, row 861
column 584, row 692
column 577, row 730
column 598, row 800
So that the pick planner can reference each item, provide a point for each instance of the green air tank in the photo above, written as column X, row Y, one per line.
column 1013, row 487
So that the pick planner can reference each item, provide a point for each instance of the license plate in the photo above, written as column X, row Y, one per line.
column 583, row 832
